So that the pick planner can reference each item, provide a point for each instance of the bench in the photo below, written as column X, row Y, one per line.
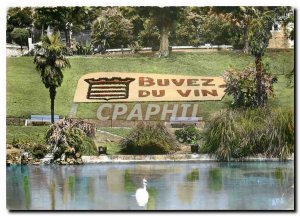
column 183, row 121
column 40, row 119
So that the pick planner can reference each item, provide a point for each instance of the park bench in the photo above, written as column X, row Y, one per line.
column 40, row 119
column 184, row 121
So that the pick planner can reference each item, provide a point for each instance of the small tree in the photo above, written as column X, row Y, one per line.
column 50, row 61
column 259, row 34
column 20, row 36
column 242, row 85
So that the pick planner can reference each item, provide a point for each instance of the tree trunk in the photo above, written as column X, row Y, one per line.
column 164, row 42
column 52, row 91
column 261, row 94
column 246, row 45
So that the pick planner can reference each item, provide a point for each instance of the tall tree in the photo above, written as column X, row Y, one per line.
column 18, row 18
column 50, row 61
column 165, row 19
column 258, row 35
column 63, row 19
column 112, row 29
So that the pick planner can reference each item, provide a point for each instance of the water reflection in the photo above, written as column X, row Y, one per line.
column 240, row 186
column 52, row 194
column 193, row 175
column 215, row 179
column 115, row 180
column 26, row 191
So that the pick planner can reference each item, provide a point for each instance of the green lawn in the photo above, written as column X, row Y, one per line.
column 23, row 134
column 123, row 132
column 27, row 95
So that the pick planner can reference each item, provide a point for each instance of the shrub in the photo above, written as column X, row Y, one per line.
column 189, row 134
column 148, row 139
column 243, row 133
column 242, row 85
column 71, row 135
column 39, row 151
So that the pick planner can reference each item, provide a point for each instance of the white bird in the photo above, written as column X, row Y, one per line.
column 142, row 195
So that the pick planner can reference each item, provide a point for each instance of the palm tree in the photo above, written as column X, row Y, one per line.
column 50, row 61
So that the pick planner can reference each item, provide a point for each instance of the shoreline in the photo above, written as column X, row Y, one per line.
column 174, row 158
column 171, row 158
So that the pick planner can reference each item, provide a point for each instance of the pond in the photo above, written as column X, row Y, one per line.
column 170, row 186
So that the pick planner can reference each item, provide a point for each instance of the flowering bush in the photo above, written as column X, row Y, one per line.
column 243, row 86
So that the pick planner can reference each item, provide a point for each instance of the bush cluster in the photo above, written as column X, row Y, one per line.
column 243, row 133
column 148, row 139
column 70, row 134
column 189, row 134
column 242, row 85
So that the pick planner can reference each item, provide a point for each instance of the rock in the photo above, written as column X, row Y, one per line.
column 24, row 162
column 47, row 159
column 68, row 160
column 79, row 161
column 71, row 162
column 8, row 162
column 63, row 163
column 63, row 157
column 78, row 155
column 108, row 140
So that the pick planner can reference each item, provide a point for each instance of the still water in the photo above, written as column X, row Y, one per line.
column 171, row 186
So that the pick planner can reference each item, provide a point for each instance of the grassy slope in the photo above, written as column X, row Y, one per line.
column 30, row 134
column 27, row 95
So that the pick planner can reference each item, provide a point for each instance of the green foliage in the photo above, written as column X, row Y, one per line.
column 50, row 61
column 189, row 134
column 69, row 134
column 187, row 31
column 148, row 139
column 20, row 35
column 111, row 29
column 39, row 151
column 243, row 86
column 84, row 48
column 259, row 31
column 243, row 133
column 217, row 30
column 18, row 17
column 149, row 36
